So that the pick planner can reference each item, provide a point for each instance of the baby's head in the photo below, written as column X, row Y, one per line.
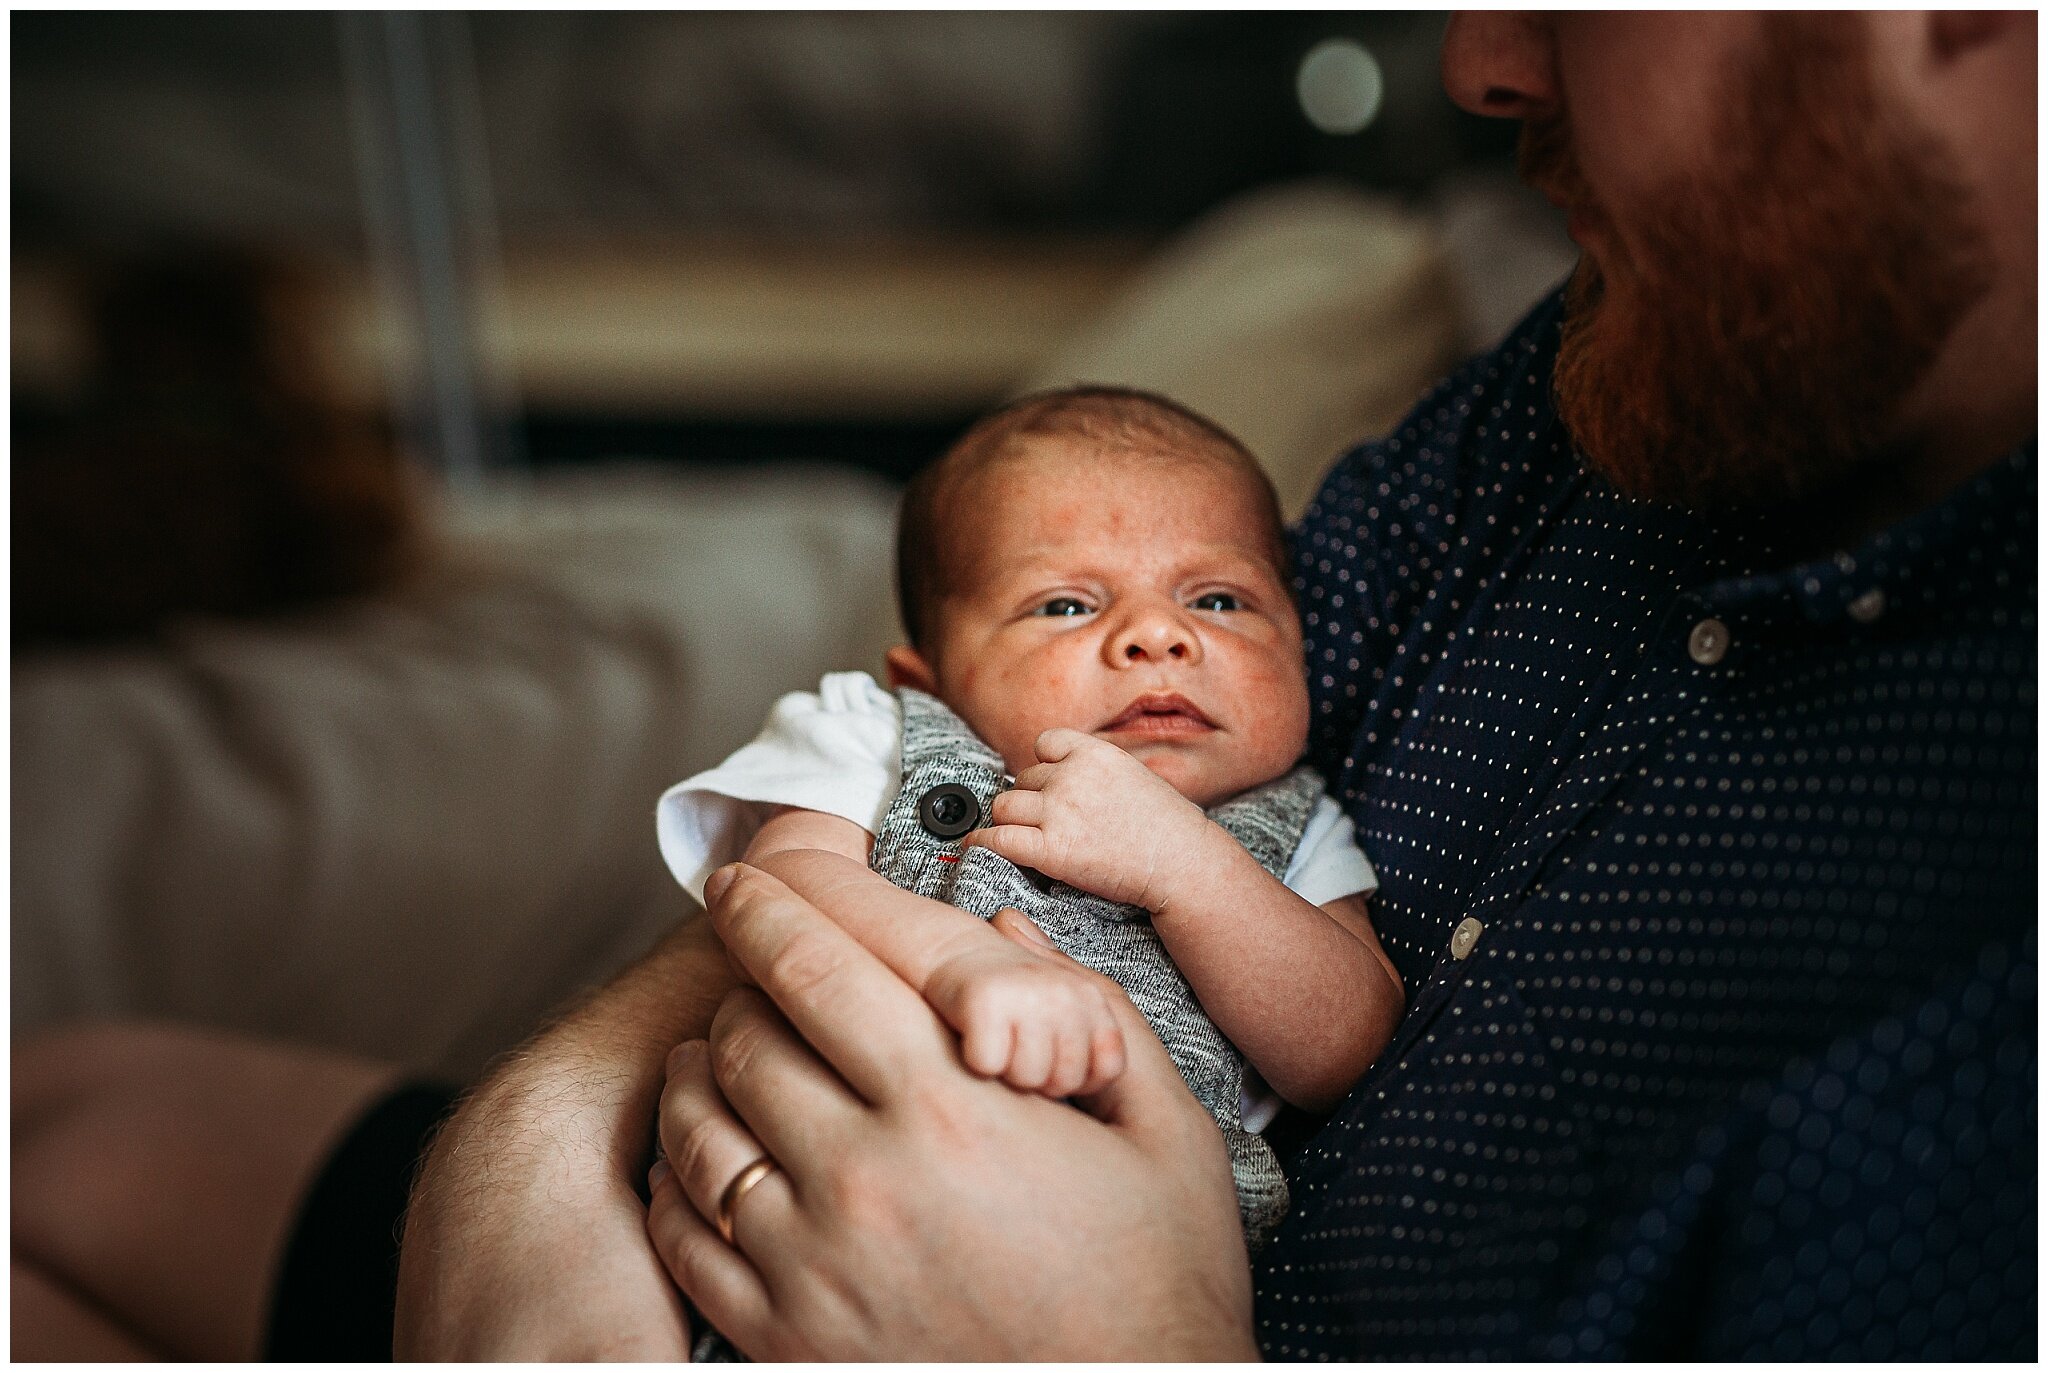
column 1105, row 560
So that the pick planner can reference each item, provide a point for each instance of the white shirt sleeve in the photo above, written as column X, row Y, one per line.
column 1327, row 863
column 838, row 750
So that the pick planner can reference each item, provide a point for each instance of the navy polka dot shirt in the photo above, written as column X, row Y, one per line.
column 1710, row 872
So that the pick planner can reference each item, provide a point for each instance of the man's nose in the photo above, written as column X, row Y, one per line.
column 1153, row 634
column 1501, row 64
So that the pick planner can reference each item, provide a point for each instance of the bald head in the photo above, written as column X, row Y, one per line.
column 1107, row 423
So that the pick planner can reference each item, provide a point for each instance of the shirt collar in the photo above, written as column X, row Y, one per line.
column 1975, row 547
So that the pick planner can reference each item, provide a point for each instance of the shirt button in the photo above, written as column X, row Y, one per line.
column 948, row 811
column 1708, row 643
column 1465, row 938
column 1866, row 608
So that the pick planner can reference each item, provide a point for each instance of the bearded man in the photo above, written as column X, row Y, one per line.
column 1676, row 663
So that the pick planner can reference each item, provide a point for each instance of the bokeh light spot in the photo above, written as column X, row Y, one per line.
column 1340, row 86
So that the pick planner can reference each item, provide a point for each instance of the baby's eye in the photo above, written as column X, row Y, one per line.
column 1062, row 605
column 1215, row 600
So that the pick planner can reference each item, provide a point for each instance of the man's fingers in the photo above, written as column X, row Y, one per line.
column 857, row 1013
column 727, row 1290
column 791, row 1099
column 706, row 1144
column 1016, row 926
column 707, row 1149
column 913, row 935
column 873, row 1029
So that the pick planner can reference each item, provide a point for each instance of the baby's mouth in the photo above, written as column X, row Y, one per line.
column 1160, row 713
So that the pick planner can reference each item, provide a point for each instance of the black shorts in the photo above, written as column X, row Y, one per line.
column 337, row 1286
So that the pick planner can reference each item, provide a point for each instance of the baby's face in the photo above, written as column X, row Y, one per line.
column 1131, row 598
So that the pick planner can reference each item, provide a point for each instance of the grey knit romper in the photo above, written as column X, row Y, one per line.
column 1113, row 939
column 1116, row 940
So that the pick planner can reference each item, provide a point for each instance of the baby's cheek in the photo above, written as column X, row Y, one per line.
column 988, row 704
column 1278, row 679
column 1049, row 699
column 1013, row 732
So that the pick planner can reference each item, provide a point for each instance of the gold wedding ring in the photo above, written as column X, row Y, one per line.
column 749, row 1177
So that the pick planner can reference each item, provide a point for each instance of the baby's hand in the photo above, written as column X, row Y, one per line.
column 1030, row 1015
column 1094, row 817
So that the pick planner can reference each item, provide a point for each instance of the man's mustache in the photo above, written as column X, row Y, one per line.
column 1547, row 163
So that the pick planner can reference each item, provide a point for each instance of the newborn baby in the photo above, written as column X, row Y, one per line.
column 1096, row 722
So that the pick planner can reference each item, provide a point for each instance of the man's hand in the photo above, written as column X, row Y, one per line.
column 1028, row 1015
column 526, row 1238
column 1092, row 816
column 917, row 1211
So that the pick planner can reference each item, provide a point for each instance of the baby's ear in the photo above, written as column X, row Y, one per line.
column 907, row 668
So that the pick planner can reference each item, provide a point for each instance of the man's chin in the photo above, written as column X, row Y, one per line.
column 1738, row 351
column 1585, row 288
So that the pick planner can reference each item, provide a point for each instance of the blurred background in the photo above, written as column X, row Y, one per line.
column 434, row 434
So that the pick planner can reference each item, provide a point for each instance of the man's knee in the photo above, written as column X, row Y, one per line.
column 57, row 1070
column 78, row 1174
column 131, row 1125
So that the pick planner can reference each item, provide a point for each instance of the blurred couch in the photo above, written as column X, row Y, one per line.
column 410, row 826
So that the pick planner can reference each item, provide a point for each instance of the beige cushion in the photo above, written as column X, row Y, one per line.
column 410, row 828
column 1302, row 319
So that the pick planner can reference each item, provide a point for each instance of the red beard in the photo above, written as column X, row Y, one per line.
column 1778, row 308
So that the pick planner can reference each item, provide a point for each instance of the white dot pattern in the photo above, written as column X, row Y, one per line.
column 1741, row 1062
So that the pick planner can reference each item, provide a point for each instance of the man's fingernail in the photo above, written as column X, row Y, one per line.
column 655, row 1174
column 715, row 885
column 1023, row 925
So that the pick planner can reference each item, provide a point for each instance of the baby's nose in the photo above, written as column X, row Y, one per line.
column 1155, row 638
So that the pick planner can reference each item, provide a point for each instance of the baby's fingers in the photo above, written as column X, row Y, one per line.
column 1055, row 744
column 988, row 1045
column 1105, row 1058
column 1034, row 777
column 1017, row 808
column 1032, row 1057
column 1023, row 845
column 1071, row 1068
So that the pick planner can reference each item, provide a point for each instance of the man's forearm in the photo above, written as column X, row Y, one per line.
column 528, row 1194
column 596, row 1071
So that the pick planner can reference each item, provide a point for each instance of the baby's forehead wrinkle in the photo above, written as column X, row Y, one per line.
column 1019, row 511
column 1092, row 561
